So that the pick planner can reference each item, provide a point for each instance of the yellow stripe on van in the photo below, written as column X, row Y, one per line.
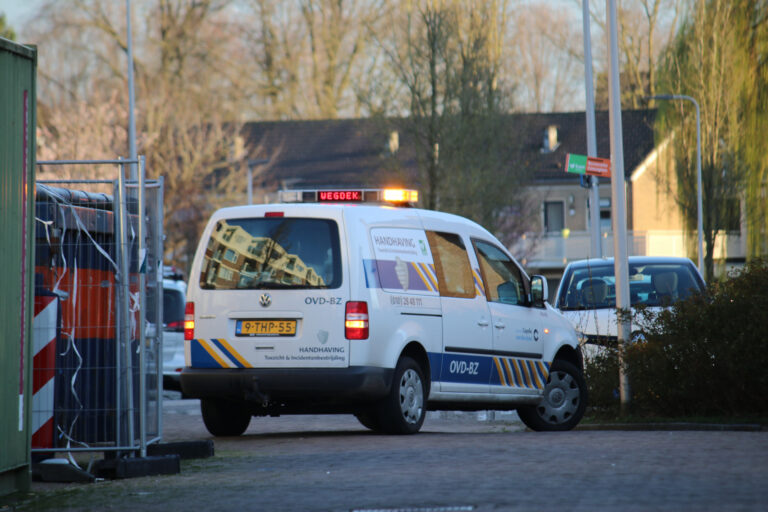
column 543, row 371
column 512, row 380
column 479, row 286
column 519, row 372
column 421, row 275
column 234, row 353
column 534, row 375
column 429, row 270
column 501, row 372
column 212, row 352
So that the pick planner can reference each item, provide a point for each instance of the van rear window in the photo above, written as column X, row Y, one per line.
column 272, row 253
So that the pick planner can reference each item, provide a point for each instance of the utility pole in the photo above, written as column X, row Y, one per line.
column 618, row 203
column 251, row 165
column 131, row 96
column 594, row 194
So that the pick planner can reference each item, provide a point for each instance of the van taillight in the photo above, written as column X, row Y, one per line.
column 189, row 321
column 356, row 321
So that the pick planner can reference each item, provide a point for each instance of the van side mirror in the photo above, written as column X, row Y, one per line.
column 539, row 291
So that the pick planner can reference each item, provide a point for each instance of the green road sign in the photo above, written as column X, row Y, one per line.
column 576, row 164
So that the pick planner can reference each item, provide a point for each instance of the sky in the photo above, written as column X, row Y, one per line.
column 18, row 12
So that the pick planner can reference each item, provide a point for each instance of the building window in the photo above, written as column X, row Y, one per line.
column 225, row 273
column 554, row 216
column 230, row 255
column 605, row 215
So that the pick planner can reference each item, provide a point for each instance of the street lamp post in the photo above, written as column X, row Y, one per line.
column 699, row 209
column 134, row 174
column 594, row 194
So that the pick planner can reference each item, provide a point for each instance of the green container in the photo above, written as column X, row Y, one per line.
column 18, row 68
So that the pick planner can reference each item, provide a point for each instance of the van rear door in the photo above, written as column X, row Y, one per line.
column 270, row 290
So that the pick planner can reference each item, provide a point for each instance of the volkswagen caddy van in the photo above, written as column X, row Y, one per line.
column 342, row 302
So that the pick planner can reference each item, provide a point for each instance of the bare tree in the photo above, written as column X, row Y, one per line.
column 546, row 54
column 187, row 105
column 448, row 57
column 646, row 27
column 309, row 55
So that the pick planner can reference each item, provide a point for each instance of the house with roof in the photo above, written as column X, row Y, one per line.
column 373, row 153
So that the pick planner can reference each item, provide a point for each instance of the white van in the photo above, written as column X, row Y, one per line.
column 376, row 310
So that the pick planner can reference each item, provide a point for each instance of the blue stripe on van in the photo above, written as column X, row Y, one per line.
column 200, row 357
column 233, row 357
column 493, row 370
column 466, row 368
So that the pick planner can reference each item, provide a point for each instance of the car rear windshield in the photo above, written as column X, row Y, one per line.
column 652, row 284
column 272, row 253
column 173, row 306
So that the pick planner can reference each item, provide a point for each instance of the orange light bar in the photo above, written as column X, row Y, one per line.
column 399, row 195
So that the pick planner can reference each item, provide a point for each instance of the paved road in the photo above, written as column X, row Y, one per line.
column 331, row 463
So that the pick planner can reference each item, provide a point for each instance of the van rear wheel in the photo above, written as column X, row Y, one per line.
column 404, row 408
column 224, row 418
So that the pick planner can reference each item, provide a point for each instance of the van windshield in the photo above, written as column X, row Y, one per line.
column 272, row 253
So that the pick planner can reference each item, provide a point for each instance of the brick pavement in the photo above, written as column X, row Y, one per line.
column 332, row 463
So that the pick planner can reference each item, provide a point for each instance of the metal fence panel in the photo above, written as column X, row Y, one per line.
column 96, row 260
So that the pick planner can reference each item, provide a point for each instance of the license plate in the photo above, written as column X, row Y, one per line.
column 265, row 328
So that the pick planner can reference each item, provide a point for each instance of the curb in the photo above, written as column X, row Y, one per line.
column 716, row 427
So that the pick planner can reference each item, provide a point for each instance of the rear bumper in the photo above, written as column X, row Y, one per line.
column 338, row 386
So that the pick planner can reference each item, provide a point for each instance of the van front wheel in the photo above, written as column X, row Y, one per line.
column 404, row 409
column 224, row 418
column 563, row 402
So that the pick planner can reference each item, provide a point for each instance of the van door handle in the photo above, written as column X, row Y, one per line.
column 499, row 325
column 482, row 322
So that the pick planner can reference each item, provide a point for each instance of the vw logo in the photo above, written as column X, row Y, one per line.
column 265, row 300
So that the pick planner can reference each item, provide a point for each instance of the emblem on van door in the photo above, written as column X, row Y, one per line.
column 322, row 337
column 265, row 300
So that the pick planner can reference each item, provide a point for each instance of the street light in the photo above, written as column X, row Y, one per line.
column 251, row 165
column 700, row 222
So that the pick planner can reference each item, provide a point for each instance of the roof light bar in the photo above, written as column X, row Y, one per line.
column 399, row 197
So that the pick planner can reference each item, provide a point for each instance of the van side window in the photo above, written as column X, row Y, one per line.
column 454, row 274
column 503, row 279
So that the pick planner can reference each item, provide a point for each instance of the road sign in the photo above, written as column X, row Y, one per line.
column 593, row 166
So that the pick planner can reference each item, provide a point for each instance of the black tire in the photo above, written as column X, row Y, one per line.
column 224, row 418
column 404, row 408
column 564, row 401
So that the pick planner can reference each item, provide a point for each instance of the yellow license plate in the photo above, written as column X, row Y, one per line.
column 265, row 328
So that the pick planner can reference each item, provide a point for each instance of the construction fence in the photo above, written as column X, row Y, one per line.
column 97, row 329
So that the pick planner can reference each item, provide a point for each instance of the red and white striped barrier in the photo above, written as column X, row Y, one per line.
column 44, row 335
